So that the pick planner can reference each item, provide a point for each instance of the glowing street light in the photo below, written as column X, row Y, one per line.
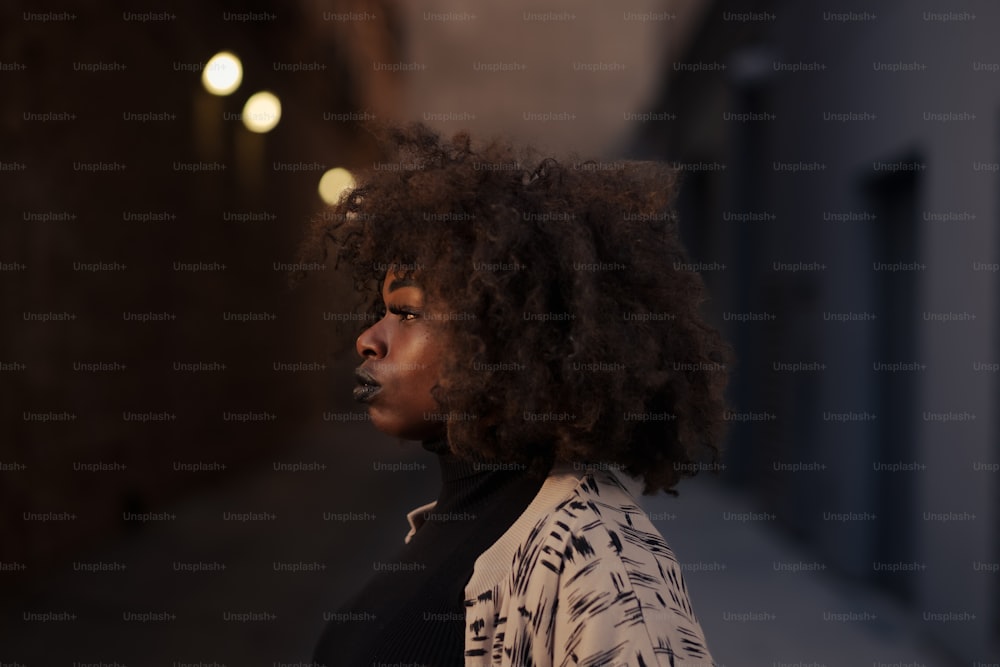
column 334, row 183
column 222, row 74
column 262, row 112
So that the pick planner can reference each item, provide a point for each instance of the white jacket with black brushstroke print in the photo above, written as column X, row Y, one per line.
column 582, row 577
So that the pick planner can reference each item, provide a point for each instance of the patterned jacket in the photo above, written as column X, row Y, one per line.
column 582, row 577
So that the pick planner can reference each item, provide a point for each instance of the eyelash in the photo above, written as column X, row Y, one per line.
column 396, row 310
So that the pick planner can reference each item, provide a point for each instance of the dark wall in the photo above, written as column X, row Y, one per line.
column 843, row 164
column 129, row 191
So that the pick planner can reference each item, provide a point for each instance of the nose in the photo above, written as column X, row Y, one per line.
column 371, row 343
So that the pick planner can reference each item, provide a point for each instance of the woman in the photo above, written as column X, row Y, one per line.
column 538, row 331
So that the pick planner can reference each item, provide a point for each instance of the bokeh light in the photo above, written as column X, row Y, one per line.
column 333, row 183
column 222, row 74
column 262, row 112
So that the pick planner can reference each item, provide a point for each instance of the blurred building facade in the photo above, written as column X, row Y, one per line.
column 145, row 242
column 841, row 192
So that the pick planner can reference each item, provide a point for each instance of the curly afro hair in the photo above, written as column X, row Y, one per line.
column 571, row 306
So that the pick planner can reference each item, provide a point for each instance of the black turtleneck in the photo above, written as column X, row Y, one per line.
column 417, row 615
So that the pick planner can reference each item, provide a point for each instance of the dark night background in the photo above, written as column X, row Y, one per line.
column 839, row 192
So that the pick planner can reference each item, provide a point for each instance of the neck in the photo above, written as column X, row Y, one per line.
column 468, row 484
column 437, row 445
column 454, row 469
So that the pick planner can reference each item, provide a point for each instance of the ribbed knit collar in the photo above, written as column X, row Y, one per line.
column 452, row 467
column 469, row 485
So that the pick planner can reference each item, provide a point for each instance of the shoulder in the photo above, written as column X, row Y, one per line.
column 614, row 581
column 582, row 577
column 599, row 517
column 598, row 497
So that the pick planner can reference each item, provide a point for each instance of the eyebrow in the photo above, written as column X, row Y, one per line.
column 401, row 282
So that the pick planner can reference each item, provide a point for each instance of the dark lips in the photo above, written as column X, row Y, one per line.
column 367, row 386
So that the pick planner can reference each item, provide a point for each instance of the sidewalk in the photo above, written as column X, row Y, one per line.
column 765, row 601
column 266, row 582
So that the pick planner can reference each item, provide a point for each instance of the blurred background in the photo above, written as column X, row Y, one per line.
column 183, row 476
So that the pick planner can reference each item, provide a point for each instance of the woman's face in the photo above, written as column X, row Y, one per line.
column 402, row 355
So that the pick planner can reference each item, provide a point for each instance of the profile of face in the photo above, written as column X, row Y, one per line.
column 402, row 355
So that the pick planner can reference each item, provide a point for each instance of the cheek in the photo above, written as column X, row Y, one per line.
column 430, row 363
column 417, row 359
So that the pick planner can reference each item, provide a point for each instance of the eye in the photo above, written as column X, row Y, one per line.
column 405, row 314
